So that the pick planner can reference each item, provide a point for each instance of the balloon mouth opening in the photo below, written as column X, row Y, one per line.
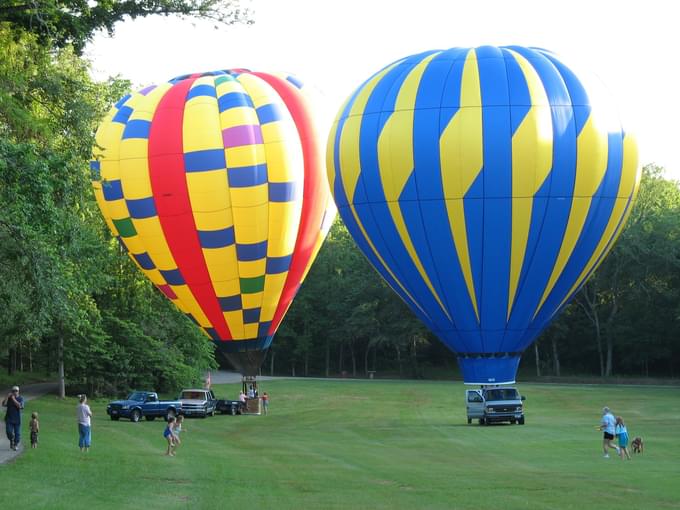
column 246, row 356
column 489, row 367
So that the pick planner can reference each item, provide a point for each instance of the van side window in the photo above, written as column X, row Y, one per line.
column 473, row 396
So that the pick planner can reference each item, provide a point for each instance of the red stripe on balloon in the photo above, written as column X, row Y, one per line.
column 171, row 195
column 312, row 207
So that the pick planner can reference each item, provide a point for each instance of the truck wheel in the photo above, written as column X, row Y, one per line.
column 150, row 418
column 232, row 410
column 136, row 416
column 170, row 414
column 521, row 420
column 481, row 421
column 115, row 418
column 469, row 421
column 512, row 421
column 212, row 413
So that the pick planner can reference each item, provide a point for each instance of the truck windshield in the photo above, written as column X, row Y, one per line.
column 193, row 395
column 137, row 396
column 502, row 394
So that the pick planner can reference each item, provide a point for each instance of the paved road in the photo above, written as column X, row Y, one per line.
column 29, row 392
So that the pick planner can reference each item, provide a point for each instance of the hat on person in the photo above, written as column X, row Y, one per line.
column 605, row 409
column 15, row 388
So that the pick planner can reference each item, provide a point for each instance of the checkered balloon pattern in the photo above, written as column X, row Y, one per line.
column 214, row 184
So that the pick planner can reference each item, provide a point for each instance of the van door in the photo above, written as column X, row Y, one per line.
column 474, row 404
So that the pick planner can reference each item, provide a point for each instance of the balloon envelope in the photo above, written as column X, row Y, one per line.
column 214, row 185
column 485, row 185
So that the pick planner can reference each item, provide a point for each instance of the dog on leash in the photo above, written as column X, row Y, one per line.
column 638, row 445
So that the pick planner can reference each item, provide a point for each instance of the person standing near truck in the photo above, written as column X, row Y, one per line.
column 14, row 403
column 265, row 402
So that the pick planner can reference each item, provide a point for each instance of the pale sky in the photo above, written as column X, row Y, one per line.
column 632, row 46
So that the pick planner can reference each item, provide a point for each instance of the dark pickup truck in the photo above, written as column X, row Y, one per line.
column 225, row 406
column 143, row 403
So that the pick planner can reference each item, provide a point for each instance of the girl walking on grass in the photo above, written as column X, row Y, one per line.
column 177, row 429
column 622, row 434
column 169, row 435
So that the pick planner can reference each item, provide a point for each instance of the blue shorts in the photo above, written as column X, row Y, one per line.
column 167, row 433
column 623, row 440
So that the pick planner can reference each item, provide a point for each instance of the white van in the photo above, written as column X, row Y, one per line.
column 495, row 404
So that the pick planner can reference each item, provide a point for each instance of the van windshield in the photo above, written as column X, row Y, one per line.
column 502, row 394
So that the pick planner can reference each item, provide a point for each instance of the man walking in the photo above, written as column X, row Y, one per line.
column 14, row 403
column 608, row 425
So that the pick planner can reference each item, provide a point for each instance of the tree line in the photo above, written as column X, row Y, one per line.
column 71, row 300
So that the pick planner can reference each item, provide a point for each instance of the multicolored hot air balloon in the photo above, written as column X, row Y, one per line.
column 214, row 184
column 485, row 185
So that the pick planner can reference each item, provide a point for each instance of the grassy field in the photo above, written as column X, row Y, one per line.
column 361, row 444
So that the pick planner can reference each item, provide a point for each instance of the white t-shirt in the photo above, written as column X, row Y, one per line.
column 83, row 412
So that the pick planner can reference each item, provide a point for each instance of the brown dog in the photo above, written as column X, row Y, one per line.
column 638, row 445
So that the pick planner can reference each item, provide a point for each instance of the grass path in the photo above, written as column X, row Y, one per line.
column 362, row 444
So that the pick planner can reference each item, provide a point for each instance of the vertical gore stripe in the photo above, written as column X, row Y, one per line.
column 314, row 187
column 168, row 182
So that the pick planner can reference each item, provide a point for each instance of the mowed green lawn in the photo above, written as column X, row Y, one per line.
column 361, row 444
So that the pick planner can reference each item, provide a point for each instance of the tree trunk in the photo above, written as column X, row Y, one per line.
column 328, row 357
column 306, row 363
column 292, row 368
column 60, row 358
column 598, row 338
column 401, row 371
column 610, row 350
column 609, row 336
column 354, row 359
column 30, row 360
column 21, row 357
column 340, row 356
column 590, row 309
column 375, row 362
column 366, row 353
column 271, row 362
column 538, row 360
column 414, row 358
column 556, row 358
column 11, row 361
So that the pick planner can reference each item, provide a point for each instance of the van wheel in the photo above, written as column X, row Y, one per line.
column 521, row 420
column 481, row 421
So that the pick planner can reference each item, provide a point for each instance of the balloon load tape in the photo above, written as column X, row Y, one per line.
column 486, row 355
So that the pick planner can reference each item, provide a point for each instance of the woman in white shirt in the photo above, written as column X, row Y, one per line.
column 84, row 415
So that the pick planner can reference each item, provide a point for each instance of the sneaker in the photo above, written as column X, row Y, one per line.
column 606, row 455
column 618, row 451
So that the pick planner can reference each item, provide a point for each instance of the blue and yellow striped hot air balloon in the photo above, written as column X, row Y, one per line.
column 485, row 185
column 214, row 185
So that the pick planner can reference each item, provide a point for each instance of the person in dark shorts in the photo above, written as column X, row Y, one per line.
column 608, row 426
column 34, row 426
